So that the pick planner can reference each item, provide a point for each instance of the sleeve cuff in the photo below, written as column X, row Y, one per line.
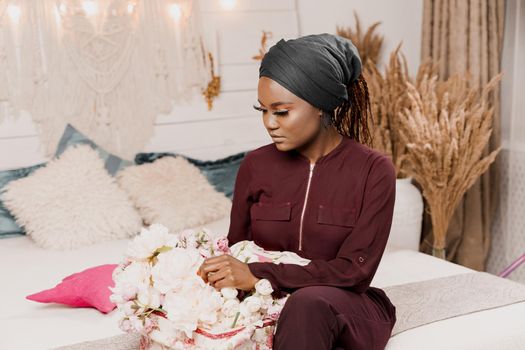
column 261, row 270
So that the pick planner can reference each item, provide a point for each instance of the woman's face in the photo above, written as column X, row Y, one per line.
column 291, row 121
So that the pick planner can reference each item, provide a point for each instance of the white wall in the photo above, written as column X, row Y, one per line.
column 400, row 21
column 233, row 125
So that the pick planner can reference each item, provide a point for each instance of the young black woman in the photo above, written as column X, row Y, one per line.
column 320, row 191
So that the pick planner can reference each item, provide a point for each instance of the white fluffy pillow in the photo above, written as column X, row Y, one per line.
column 72, row 202
column 173, row 192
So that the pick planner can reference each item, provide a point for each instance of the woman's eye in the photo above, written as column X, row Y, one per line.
column 260, row 109
column 264, row 110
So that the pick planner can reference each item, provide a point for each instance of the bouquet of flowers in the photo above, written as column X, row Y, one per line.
column 160, row 295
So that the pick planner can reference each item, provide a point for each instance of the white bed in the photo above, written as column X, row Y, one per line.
column 26, row 269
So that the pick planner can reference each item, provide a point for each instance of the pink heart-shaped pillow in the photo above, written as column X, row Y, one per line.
column 88, row 288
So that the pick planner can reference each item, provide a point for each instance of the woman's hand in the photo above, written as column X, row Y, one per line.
column 227, row 271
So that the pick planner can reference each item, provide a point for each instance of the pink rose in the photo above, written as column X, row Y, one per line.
column 274, row 315
column 221, row 245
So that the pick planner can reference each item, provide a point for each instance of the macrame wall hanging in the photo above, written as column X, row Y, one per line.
column 108, row 67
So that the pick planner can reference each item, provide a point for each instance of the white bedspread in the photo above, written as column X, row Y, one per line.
column 26, row 269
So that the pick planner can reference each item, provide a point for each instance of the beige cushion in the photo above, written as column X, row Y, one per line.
column 173, row 192
column 72, row 202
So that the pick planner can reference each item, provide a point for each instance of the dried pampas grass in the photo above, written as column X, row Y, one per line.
column 388, row 97
column 435, row 131
column 446, row 128
column 368, row 44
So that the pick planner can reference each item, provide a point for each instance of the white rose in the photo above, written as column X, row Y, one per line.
column 127, row 308
column 173, row 267
column 135, row 274
column 229, row 293
column 230, row 307
column 149, row 297
column 209, row 302
column 165, row 333
column 116, row 297
column 263, row 287
column 180, row 312
column 243, row 309
column 129, row 280
column 125, row 325
column 195, row 303
column 136, row 323
column 144, row 245
column 253, row 303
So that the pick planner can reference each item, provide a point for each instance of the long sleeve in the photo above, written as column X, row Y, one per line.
column 358, row 257
column 240, row 228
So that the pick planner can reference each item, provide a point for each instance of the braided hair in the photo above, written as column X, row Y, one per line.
column 351, row 117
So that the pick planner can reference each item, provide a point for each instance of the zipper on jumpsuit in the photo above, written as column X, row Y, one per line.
column 312, row 165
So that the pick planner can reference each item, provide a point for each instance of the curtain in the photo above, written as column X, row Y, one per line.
column 467, row 36
column 508, row 234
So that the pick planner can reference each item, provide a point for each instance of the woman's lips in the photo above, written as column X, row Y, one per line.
column 278, row 138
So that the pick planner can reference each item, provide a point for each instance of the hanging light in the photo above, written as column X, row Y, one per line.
column 228, row 4
column 131, row 7
column 14, row 12
column 175, row 12
column 61, row 8
column 90, row 7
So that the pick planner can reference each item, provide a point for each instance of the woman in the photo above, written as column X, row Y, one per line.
column 320, row 191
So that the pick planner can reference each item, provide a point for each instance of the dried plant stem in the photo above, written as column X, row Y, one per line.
column 446, row 128
column 368, row 44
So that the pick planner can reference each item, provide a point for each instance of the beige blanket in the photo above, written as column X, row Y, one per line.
column 433, row 300
column 417, row 304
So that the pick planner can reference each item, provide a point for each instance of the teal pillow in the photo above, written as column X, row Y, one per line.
column 72, row 136
column 8, row 225
column 221, row 173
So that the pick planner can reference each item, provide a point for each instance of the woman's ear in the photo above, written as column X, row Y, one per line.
column 326, row 118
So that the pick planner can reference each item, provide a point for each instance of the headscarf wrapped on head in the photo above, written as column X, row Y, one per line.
column 317, row 68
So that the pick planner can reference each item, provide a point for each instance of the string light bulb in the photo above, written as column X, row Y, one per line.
column 90, row 7
column 62, row 8
column 228, row 4
column 14, row 12
column 175, row 12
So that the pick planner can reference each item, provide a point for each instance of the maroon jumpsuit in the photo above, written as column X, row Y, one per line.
column 337, row 213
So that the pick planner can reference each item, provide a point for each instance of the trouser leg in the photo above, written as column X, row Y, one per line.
column 306, row 322
column 326, row 318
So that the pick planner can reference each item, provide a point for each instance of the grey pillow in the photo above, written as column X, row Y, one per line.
column 72, row 136
column 8, row 225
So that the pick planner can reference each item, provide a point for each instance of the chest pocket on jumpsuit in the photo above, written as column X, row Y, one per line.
column 335, row 223
column 270, row 224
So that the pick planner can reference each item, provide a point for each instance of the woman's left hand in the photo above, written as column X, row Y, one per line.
column 227, row 271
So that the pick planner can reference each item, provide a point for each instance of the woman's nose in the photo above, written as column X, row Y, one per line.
column 272, row 122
